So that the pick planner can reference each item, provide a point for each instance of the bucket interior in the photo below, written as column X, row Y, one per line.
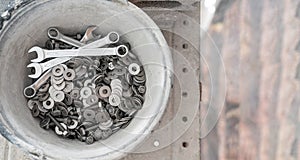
column 29, row 28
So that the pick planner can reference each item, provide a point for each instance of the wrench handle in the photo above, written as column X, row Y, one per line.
column 97, row 52
column 98, row 43
column 81, row 52
column 42, row 80
column 70, row 41
column 50, row 64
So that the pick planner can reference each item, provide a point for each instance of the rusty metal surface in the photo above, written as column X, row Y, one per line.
column 259, row 43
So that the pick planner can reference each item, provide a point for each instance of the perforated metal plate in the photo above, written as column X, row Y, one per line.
column 179, row 21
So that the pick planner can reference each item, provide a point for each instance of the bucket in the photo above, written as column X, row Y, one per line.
column 28, row 27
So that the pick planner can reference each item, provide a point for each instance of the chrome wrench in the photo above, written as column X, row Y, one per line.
column 111, row 38
column 43, row 54
column 31, row 90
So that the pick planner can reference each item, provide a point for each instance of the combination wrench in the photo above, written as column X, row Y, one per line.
column 111, row 38
column 43, row 54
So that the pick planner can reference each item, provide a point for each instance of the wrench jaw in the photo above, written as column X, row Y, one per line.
column 38, row 70
column 39, row 52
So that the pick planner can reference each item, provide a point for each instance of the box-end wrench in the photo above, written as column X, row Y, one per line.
column 43, row 54
column 31, row 90
column 53, row 33
column 40, row 68
column 111, row 38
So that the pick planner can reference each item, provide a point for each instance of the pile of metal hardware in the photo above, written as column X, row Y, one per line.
column 85, row 86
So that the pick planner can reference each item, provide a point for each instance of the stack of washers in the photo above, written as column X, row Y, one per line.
column 85, row 87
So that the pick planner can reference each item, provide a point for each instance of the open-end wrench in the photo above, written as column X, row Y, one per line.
column 40, row 68
column 111, row 38
column 42, row 54
column 30, row 91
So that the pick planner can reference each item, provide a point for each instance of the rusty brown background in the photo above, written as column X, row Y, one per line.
column 260, row 44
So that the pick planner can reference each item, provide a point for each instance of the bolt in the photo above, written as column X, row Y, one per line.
column 56, row 122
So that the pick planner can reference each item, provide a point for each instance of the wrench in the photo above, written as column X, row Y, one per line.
column 30, row 91
column 40, row 68
column 55, row 34
column 42, row 54
column 111, row 38
column 38, row 71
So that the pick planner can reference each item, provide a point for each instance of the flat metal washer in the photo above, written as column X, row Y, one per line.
column 57, row 80
column 91, row 100
column 59, row 87
column 89, row 115
column 75, row 93
column 35, row 111
column 104, row 91
column 134, row 69
column 58, row 70
column 73, row 125
column 32, row 103
column 69, row 87
column 85, row 92
column 48, row 104
column 69, row 75
column 114, row 100
column 58, row 96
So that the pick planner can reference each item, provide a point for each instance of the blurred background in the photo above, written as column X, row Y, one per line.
column 259, row 41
